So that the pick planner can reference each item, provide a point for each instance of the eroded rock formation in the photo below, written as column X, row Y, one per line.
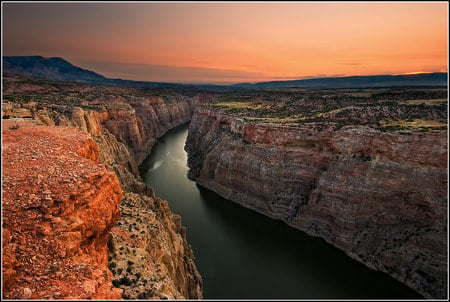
column 379, row 196
column 149, row 254
column 59, row 205
column 163, row 262
column 123, row 129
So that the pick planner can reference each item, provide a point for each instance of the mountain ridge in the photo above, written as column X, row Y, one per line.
column 57, row 68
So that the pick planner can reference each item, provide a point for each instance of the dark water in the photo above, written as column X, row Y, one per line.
column 242, row 254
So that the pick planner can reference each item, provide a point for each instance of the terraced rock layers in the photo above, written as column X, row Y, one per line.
column 379, row 196
column 146, row 263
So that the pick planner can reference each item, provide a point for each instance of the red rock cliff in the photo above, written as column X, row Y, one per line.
column 59, row 206
column 125, row 122
column 162, row 260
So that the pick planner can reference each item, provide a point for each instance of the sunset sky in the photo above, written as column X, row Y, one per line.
column 232, row 42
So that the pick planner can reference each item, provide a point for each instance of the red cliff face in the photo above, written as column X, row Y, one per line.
column 126, row 130
column 59, row 205
column 124, row 123
column 162, row 260
column 379, row 196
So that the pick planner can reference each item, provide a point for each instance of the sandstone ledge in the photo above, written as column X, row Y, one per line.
column 59, row 205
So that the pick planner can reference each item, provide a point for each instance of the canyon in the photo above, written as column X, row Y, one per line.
column 372, row 188
column 143, row 243
column 380, row 196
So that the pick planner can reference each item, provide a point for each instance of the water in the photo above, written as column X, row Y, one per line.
column 243, row 254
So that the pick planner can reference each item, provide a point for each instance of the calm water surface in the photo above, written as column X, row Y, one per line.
column 242, row 254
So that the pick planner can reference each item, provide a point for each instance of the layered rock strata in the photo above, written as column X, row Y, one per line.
column 379, row 196
column 59, row 205
column 125, row 128
column 163, row 261
column 127, row 132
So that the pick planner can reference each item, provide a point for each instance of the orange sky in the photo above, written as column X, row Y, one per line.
column 233, row 42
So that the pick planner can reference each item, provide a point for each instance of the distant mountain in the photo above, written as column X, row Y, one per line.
column 50, row 68
column 60, row 69
column 425, row 79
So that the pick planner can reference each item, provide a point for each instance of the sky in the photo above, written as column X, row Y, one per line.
column 189, row 42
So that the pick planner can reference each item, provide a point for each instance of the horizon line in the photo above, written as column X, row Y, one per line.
column 264, row 79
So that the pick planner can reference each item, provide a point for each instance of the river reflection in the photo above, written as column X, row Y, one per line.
column 242, row 254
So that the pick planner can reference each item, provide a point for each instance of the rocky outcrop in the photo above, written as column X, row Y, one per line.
column 149, row 231
column 59, row 205
column 125, row 123
column 163, row 262
column 379, row 196
column 124, row 128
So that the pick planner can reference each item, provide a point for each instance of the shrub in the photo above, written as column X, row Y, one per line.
column 125, row 281
column 142, row 296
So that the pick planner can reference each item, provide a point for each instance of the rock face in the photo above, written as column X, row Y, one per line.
column 128, row 128
column 163, row 262
column 59, row 205
column 124, row 124
column 146, row 249
column 379, row 196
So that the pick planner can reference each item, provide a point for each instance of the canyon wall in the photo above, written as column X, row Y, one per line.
column 379, row 196
column 163, row 262
column 127, row 129
column 148, row 252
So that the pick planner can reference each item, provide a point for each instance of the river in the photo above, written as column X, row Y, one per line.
column 243, row 254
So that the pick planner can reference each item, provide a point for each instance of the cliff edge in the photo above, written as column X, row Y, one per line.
column 379, row 196
column 59, row 205
column 148, row 253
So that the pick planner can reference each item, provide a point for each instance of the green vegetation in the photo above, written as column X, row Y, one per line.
column 415, row 123
column 415, row 109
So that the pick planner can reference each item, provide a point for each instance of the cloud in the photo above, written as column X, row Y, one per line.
column 317, row 76
column 167, row 73
column 335, row 75
column 350, row 63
